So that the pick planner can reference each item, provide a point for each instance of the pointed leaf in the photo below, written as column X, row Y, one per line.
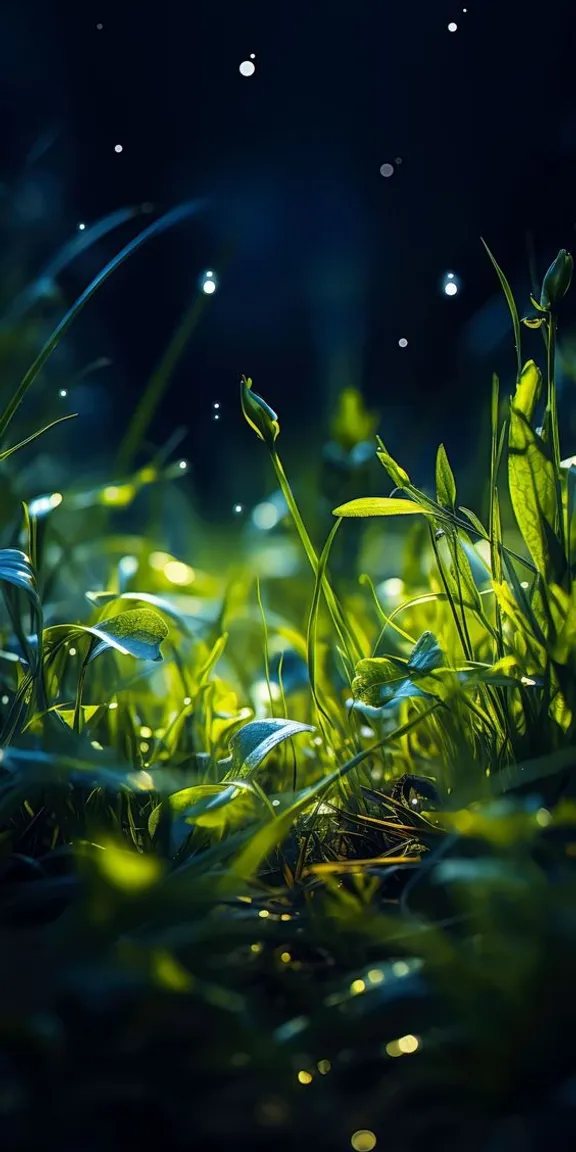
column 252, row 743
column 532, row 488
column 379, row 506
column 445, row 483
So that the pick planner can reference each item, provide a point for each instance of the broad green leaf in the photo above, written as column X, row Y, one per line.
column 532, row 489
column 252, row 743
column 380, row 506
column 445, row 483
column 426, row 654
column 137, row 632
column 528, row 390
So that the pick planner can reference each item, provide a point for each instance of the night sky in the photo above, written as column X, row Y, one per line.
column 323, row 263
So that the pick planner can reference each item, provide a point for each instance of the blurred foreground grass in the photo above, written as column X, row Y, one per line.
column 287, row 847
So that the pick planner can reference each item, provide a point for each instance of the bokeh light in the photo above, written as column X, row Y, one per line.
column 118, row 148
column 387, row 170
column 247, row 68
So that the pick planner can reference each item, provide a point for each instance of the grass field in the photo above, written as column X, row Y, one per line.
column 288, row 859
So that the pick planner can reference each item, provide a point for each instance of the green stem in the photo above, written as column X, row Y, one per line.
column 348, row 640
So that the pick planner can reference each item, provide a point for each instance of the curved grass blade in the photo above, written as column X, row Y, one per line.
column 175, row 216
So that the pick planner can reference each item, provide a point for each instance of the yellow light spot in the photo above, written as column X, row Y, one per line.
column 357, row 986
column 304, row 1077
column 129, row 871
column 285, row 957
column 400, row 968
column 363, row 1140
column 118, row 494
column 263, row 913
column 178, row 573
column 403, row 1046
column 324, row 1067
column 543, row 817
column 255, row 948
column 285, row 916
column 376, row 976
column 170, row 973
column 145, row 731
column 408, row 1043
column 113, row 705
column 144, row 746
column 72, row 651
column 158, row 560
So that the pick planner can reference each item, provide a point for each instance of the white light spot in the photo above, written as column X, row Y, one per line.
column 216, row 416
column 216, row 404
column 265, row 516
column 99, row 27
column 247, row 68
column 452, row 27
column 209, row 287
column 81, row 227
column 403, row 342
column 62, row 392
column 450, row 288
column 118, row 148
column 238, row 508
column 398, row 160
column 387, row 170
column 183, row 464
column 253, row 54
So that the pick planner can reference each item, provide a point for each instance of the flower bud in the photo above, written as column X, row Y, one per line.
column 259, row 415
column 557, row 280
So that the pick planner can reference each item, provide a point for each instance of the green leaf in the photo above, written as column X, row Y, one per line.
column 426, row 654
column 380, row 506
column 511, row 305
column 445, row 483
column 173, row 217
column 532, row 489
column 16, row 569
column 22, row 443
column 259, row 415
column 252, row 743
column 528, row 390
column 397, row 474
column 137, row 632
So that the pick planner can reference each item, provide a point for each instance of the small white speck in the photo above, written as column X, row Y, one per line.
column 183, row 464
column 62, row 392
column 81, row 227
column 118, row 148
column 216, row 404
column 452, row 27
column 387, row 170
column 247, row 68
column 253, row 54
column 238, row 508
column 216, row 416
column 403, row 342
column 99, row 27
column 209, row 287
column 450, row 288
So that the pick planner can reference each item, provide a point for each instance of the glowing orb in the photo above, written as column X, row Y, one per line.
column 81, row 227
column 208, row 283
column 118, row 148
column 247, row 68
column 387, row 170
column 403, row 342
column 452, row 27
column 450, row 288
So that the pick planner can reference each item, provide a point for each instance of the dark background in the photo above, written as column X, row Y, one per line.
column 324, row 264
